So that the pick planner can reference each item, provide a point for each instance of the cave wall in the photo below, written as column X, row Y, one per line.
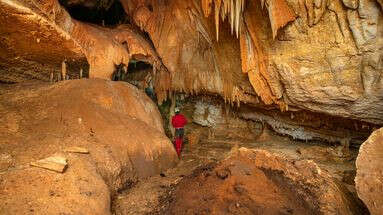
column 318, row 56
column 327, row 60
column 59, row 37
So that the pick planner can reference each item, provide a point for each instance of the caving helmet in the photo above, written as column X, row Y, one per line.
column 177, row 110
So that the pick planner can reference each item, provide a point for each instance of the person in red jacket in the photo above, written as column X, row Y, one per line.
column 178, row 122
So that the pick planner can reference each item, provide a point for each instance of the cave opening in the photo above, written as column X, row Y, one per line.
column 138, row 73
column 104, row 12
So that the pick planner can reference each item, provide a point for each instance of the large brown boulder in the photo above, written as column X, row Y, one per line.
column 258, row 182
column 119, row 125
column 369, row 173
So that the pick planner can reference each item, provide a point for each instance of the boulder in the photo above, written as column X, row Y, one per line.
column 259, row 182
column 118, row 124
column 80, row 190
column 369, row 172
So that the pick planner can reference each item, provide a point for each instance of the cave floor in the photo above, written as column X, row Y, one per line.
column 153, row 195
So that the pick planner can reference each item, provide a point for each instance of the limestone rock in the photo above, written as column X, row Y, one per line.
column 20, row 60
column 54, row 163
column 334, row 69
column 208, row 114
column 369, row 173
column 353, row 4
column 222, row 121
column 48, row 23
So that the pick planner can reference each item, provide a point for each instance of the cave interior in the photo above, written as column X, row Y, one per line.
column 271, row 127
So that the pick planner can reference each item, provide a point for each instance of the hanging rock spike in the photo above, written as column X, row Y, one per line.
column 217, row 6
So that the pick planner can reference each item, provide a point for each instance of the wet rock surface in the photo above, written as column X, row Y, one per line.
column 369, row 172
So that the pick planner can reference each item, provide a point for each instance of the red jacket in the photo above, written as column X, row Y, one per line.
column 179, row 121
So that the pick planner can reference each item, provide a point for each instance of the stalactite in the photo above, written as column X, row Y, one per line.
column 206, row 7
column 231, row 8
column 279, row 14
column 245, row 49
column 232, row 16
column 217, row 8
column 253, row 60
column 237, row 15
column 223, row 14
column 263, row 3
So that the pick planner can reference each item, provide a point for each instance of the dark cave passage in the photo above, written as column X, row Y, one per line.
column 108, row 13
column 137, row 73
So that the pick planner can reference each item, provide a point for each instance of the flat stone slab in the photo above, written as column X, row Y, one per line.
column 54, row 163
column 76, row 149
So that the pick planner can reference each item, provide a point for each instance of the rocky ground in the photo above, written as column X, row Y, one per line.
column 111, row 155
column 176, row 191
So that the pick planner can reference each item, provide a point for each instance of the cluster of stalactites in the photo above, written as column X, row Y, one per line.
column 231, row 9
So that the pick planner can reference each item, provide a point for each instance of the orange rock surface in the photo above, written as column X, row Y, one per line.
column 119, row 125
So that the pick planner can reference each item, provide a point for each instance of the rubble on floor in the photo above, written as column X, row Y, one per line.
column 76, row 149
column 54, row 163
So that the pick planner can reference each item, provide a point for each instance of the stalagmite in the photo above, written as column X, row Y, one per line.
column 51, row 77
column 172, row 113
column 80, row 73
column 63, row 70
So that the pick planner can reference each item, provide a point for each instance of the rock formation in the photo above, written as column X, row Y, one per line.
column 286, row 187
column 369, row 174
column 119, row 126
column 309, row 69
column 314, row 56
